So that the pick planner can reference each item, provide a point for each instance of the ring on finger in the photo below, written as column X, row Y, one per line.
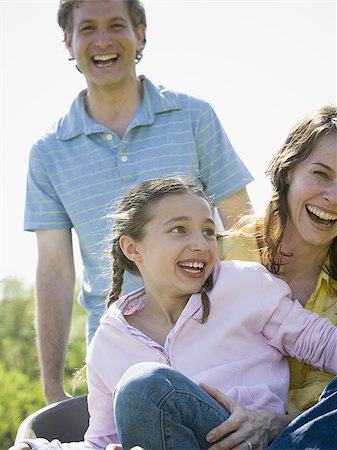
column 249, row 445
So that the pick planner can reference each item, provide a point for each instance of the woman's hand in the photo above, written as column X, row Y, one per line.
column 257, row 428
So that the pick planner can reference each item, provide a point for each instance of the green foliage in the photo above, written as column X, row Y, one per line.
column 21, row 392
column 19, row 396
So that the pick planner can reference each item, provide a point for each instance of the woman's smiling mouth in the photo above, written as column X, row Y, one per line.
column 321, row 217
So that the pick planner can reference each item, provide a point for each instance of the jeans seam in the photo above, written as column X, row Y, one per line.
column 162, row 429
column 191, row 394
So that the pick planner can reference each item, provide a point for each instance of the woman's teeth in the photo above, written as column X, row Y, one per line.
column 321, row 214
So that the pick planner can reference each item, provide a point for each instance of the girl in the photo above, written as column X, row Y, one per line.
column 196, row 320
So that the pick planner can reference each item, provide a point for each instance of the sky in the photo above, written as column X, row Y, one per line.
column 262, row 66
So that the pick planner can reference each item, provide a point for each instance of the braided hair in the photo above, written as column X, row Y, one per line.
column 133, row 213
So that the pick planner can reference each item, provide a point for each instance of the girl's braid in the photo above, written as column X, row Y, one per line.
column 117, row 278
column 206, row 304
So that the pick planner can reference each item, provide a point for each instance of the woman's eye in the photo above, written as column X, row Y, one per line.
column 321, row 174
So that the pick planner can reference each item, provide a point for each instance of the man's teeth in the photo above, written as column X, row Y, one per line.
column 99, row 58
column 321, row 214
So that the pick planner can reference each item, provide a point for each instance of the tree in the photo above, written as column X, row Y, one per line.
column 21, row 391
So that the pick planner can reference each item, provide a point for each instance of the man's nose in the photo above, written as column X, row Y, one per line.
column 103, row 38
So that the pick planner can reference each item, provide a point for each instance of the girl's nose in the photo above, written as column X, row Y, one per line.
column 199, row 243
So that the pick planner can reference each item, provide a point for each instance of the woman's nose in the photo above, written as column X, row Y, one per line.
column 330, row 194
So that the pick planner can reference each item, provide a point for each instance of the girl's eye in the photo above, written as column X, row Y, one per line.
column 178, row 229
column 209, row 232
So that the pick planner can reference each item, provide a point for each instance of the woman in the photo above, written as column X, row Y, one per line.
column 297, row 238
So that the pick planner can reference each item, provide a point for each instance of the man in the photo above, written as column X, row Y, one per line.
column 120, row 131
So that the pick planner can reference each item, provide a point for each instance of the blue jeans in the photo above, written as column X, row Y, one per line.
column 314, row 429
column 158, row 408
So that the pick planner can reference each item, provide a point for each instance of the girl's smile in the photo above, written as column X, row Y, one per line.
column 179, row 249
column 193, row 268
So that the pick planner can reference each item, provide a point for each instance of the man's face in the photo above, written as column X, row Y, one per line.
column 104, row 43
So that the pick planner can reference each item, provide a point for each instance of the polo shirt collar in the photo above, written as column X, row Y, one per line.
column 156, row 100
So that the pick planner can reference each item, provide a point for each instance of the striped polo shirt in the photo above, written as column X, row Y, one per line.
column 80, row 169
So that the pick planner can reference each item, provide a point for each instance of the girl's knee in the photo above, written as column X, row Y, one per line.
column 139, row 377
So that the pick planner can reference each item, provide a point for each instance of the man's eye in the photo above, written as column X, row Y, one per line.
column 86, row 29
column 117, row 26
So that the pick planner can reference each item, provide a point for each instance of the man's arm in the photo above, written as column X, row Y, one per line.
column 230, row 209
column 55, row 281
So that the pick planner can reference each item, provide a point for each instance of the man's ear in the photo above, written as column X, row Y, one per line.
column 129, row 248
column 68, row 43
column 141, row 39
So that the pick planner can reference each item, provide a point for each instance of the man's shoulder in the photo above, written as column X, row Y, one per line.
column 175, row 96
column 49, row 136
column 184, row 98
column 64, row 125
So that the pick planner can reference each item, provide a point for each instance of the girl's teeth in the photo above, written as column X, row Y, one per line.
column 195, row 265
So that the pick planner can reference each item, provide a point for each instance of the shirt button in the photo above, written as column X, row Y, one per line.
column 109, row 137
column 124, row 158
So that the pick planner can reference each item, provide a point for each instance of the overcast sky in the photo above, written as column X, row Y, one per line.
column 262, row 65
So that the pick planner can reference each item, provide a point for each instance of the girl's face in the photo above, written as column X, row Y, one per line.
column 312, row 195
column 179, row 249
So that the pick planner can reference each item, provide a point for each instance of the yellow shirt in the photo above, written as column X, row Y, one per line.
column 306, row 382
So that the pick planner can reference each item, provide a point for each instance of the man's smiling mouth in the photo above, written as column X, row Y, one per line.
column 105, row 60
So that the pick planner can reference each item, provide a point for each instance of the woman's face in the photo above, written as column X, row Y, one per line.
column 312, row 195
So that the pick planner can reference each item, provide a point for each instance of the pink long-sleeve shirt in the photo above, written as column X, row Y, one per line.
column 240, row 350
